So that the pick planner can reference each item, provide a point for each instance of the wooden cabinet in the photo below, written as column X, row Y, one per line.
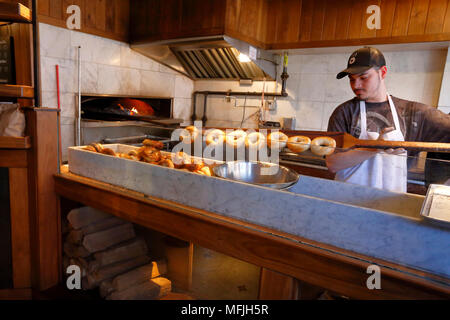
column 30, row 162
column 155, row 20
column 105, row 18
column 289, row 24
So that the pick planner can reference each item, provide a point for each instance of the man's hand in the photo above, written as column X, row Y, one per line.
column 383, row 136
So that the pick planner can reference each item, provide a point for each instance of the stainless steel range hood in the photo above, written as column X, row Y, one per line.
column 211, row 58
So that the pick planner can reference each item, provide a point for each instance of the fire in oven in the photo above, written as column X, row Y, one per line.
column 126, row 120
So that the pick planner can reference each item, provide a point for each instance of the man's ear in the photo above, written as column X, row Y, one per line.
column 383, row 70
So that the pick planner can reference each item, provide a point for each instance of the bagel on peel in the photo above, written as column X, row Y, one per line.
column 255, row 140
column 323, row 146
column 298, row 144
column 215, row 137
column 277, row 137
column 236, row 139
column 189, row 134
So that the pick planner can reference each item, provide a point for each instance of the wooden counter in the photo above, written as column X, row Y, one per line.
column 322, row 265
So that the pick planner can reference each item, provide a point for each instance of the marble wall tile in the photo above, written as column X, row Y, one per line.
column 109, row 79
column 130, row 81
column 87, row 43
column 89, row 76
column 309, row 114
column 432, row 86
column 183, row 87
column 311, row 87
column 67, row 139
column 337, row 89
column 445, row 109
column 107, row 51
column 406, row 85
column 130, row 58
column 157, row 84
column 328, row 108
column 55, row 42
column 444, row 98
column 67, row 70
column 182, row 108
column 313, row 63
column 67, row 102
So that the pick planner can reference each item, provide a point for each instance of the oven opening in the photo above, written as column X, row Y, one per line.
column 125, row 108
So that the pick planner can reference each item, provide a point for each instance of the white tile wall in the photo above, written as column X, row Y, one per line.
column 444, row 98
column 107, row 67
column 314, row 92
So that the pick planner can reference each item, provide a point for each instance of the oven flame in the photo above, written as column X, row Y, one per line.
column 134, row 111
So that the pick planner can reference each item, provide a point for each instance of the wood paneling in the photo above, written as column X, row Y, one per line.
column 13, row 158
column 15, row 142
column 387, row 8
column 172, row 19
column 277, row 286
column 418, row 19
column 45, row 221
column 105, row 18
column 436, row 12
column 20, row 227
column 315, row 263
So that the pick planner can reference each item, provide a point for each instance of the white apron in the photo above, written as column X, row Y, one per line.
column 382, row 171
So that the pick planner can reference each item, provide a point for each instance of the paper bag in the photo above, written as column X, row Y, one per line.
column 12, row 120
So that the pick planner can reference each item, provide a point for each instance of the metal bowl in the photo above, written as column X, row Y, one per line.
column 259, row 173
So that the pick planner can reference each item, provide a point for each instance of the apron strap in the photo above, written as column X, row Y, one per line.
column 394, row 113
column 362, row 113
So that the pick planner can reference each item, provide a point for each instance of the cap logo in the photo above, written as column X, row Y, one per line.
column 352, row 60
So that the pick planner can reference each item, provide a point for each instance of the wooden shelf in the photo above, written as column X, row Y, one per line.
column 15, row 143
column 14, row 12
column 16, row 91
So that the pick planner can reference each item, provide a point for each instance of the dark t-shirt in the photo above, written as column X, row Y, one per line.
column 418, row 122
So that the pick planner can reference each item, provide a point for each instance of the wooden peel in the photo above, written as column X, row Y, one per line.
column 350, row 142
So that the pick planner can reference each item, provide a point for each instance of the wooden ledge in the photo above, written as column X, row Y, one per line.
column 16, row 91
column 316, row 263
column 14, row 12
column 15, row 142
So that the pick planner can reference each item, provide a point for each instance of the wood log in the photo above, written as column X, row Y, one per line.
column 106, row 288
column 138, row 275
column 149, row 290
column 84, row 216
column 123, row 251
column 104, row 239
column 80, row 262
column 74, row 251
column 75, row 236
column 94, row 278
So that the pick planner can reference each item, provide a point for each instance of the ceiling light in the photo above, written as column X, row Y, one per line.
column 243, row 58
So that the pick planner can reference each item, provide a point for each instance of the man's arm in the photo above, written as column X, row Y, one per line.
column 347, row 159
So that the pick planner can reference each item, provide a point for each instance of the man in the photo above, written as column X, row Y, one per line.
column 374, row 114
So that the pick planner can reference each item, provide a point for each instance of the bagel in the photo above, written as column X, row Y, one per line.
column 255, row 140
column 90, row 148
column 152, row 143
column 323, row 146
column 108, row 151
column 189, row 134
column 180, row 158
column 298, row 144
column 236, row 139
column 277, row 139
column 215, row 137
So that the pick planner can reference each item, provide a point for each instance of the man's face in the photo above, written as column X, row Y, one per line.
column 366, row 85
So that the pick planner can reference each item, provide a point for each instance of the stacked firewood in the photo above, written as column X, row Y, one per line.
column 111, row 257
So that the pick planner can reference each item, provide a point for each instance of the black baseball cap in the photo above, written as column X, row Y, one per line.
column 362, row 60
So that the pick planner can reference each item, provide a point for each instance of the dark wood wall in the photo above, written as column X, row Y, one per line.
column 105, row 18
column 316, row 23
column 171, row 19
